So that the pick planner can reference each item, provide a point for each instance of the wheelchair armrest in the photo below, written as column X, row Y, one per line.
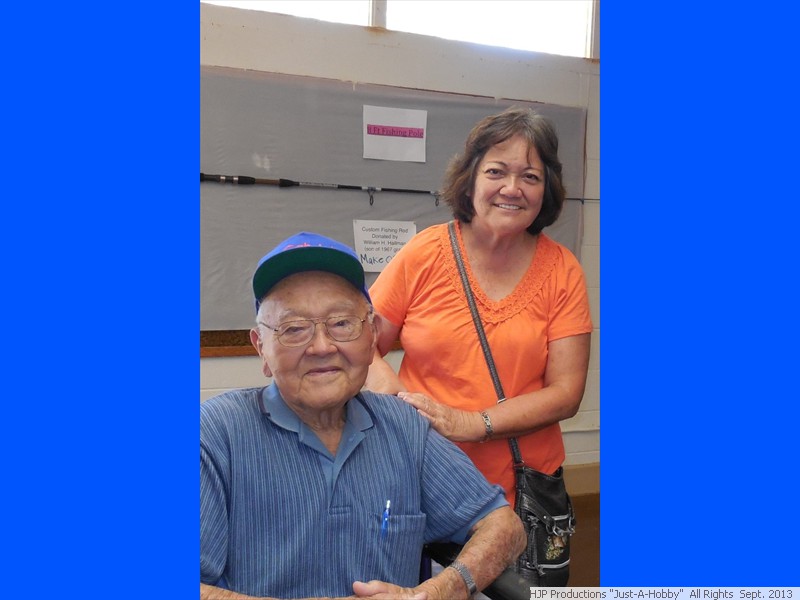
column 509, row 585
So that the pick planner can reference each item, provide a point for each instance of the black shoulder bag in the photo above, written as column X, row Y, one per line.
column 541, row 500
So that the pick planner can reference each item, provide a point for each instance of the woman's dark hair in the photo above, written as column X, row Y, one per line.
column 538, row 131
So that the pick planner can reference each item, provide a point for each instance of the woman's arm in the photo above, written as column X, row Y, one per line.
column 381, row 377
column 559, row 399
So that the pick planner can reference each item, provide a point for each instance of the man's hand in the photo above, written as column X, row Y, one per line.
column 380, row 590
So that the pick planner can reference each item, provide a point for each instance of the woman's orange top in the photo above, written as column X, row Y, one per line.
column 420, row 290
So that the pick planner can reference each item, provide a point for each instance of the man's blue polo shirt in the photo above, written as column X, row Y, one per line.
column 280, row 516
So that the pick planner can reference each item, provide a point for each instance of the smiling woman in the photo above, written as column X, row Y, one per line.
column 530, row 297
column 551, row 26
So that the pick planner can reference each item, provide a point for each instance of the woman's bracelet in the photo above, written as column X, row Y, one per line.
column 488, row 424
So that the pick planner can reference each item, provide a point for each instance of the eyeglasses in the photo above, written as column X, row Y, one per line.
column 298, row 333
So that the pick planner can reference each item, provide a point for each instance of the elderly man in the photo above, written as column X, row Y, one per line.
column 312, row 487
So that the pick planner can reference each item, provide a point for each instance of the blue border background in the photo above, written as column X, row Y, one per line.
column 699, row 327
column 101, row 265
column 100, row 239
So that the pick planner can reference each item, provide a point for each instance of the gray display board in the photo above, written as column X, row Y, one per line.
column 274, row 126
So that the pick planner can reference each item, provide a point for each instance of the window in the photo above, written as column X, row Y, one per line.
column 351, row 12
column 551, row 26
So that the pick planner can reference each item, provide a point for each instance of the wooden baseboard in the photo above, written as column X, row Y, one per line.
column 582, row 479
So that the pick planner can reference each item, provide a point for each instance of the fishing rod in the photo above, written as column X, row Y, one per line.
column 247, row 180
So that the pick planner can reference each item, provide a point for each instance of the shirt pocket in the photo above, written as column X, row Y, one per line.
column 398, row 548
column 392, row 555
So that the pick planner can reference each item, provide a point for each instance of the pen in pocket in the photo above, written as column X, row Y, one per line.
column 385, row 522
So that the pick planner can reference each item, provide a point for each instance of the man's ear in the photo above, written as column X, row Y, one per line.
column 377, row 320
column 255, row 339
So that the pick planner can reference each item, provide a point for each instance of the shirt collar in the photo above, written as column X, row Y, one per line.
column 274, row 407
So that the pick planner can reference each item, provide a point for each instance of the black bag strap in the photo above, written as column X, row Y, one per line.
column 487, row 352
column 528, row 502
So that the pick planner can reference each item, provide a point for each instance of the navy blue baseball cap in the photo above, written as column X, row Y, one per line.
column 306, row 251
